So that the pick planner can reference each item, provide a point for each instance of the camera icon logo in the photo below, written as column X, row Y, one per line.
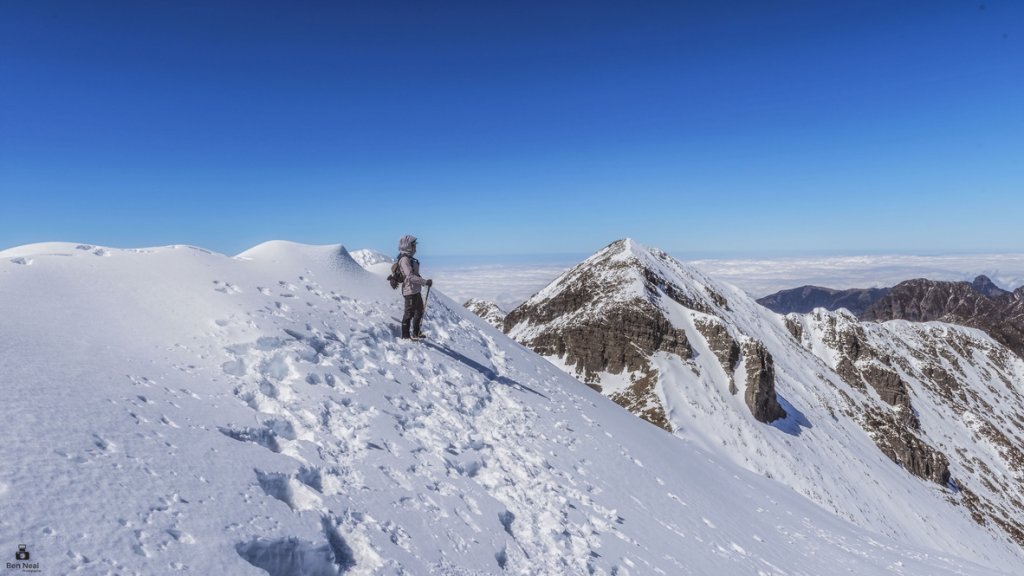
column 22, row 553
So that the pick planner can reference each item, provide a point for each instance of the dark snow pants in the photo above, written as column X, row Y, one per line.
column 413, row 313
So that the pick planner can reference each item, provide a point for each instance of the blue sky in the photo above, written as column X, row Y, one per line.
column 704, row 128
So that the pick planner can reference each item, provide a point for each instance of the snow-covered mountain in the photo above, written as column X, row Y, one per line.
column 176, row 410
column 955, row 386
column 367, row 257
column 487, row 310
column 893, row 426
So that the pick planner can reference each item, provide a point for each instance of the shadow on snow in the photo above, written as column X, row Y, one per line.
column 488, row 373
column 795, row 420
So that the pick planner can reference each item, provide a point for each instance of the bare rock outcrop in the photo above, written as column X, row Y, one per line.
column 622, row 338
column 760, row 395
column 723, row 345
column 903, row 447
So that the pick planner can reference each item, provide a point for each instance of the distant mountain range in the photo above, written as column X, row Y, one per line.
column 978, row 304
column 806, row 298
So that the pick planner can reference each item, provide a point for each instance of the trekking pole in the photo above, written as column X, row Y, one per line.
column 425, row 298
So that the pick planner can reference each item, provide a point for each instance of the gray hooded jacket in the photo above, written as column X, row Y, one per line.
column 410, row 266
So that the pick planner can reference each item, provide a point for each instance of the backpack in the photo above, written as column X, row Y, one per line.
column 397, row 278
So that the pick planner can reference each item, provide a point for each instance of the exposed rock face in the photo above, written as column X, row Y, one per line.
column 622, row 338
column 722, row 345
column 923, row 300
column 760, row 395
column 721, row 342
column 980, row 304
column 487, row 310
column 806, row 298
column 608, row 316
column 903, row 447
column 641, row 398
column 986, row 286
column 603, row 318
column 893, row 391
column 795, row 329
column 971, row 382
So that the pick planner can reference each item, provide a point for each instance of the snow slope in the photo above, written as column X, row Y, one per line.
column 176, row 410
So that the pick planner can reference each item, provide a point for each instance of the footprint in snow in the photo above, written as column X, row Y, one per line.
column 103, row 444
column 290, row 490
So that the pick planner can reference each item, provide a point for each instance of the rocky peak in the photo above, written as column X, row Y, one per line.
column 611, row 314
column 600, row 316
column 986, row 286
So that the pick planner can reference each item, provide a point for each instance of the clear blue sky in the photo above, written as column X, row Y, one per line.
column 517, row 127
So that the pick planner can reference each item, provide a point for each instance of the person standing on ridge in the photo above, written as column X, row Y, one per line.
column 411, row 286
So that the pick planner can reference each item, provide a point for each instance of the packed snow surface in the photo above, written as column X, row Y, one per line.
column 176, row 410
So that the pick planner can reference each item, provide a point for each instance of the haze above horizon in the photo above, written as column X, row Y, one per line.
column 707, row 129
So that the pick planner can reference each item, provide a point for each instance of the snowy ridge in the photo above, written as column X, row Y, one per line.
column 487, row 310
column 367, row 258
column 257, row 415
column 828, row 447
column 967, row 393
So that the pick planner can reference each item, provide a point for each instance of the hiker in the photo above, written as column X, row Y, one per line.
column 411, row 286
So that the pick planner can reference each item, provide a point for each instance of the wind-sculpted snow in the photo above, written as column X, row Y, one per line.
column 174, row 410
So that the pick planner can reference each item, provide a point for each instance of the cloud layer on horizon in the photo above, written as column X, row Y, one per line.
column 507, row 286
column 762, row 277
column 510, row 285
